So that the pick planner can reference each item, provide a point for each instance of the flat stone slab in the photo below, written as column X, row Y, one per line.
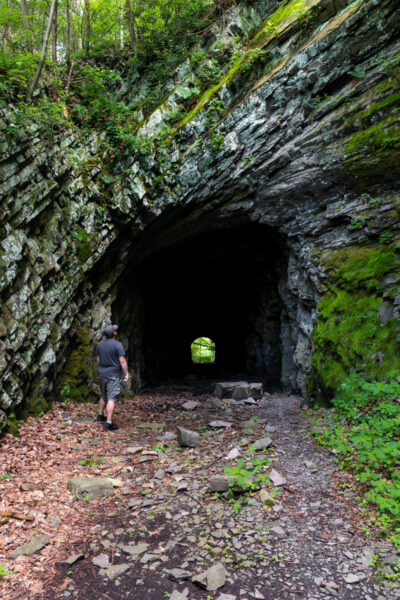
column 133, row 449
column 353, row 578
column 71, row 560
column 167, row 437
column 135, row 550
column 178, row 574
column 84, row 420
column 151, row 426
column 190, row 405
column 188, row 438
column 219, row 423
column 212, row 579
column 238, row 390
column 34, row 545
column 115, row 571
column 225, row 389
column 179, row 595
column 90, row 487
column 101, row 561
column 30, row 487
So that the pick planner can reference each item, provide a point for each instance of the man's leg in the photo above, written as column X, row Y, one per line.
column 110, row 410
column 102, row 401
column 113, row 391
column 102, row 405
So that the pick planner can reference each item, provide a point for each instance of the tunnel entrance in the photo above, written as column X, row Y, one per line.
column 224, row 283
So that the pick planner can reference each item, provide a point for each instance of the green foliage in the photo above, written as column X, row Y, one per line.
column 217, row 142
column 247, row 476
column 203, row 350
column 364, row 432
column 4, row 571
column 5, row 476
column 89, row 462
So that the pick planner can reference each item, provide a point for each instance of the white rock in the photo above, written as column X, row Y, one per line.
column 352, row 578
column 234, row 453
column 277, row 478
column 101, row 561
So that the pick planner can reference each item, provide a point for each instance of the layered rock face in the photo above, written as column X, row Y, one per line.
column 269, row 216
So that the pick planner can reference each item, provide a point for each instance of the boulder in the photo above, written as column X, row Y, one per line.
column 188, row 438
column 90, row 487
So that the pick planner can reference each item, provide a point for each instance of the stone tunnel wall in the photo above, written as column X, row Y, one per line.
column 310, row 149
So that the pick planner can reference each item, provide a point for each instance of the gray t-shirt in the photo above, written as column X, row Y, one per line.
column 109, row 350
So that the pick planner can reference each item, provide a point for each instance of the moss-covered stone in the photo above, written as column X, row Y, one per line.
column 74, row 382
column 349, row 334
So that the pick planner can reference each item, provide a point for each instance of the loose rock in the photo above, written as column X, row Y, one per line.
column 212, row 579
column 188, row 438
column 90, row 487
column 34, row 545
column 276, row 478
column 262, row 443
column 115, row 571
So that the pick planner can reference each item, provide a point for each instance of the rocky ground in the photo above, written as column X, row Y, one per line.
column 163, row 532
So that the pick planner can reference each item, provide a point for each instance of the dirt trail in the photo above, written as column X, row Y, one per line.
column 309, row 545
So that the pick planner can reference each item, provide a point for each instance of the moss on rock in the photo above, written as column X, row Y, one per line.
column 74, row 384
column 350, row 335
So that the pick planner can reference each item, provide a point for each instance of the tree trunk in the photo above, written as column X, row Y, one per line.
column 131, row 25
column 35, row 80
column 67, row 33
column 87, row 30
column 25, row 21
column 54, row 35
column 74, row 35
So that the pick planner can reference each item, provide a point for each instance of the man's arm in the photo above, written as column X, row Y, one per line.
column 124, row 366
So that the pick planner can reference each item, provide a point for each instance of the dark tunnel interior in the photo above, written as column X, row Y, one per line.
column 222, row 285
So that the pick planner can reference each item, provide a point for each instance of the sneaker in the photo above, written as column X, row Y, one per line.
column 111, row 426
column 101, row 419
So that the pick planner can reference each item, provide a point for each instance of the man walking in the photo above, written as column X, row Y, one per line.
column 110, row 356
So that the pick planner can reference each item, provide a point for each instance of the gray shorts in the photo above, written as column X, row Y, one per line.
column 110, row 388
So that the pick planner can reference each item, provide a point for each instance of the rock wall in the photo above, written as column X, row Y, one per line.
column 300, row 134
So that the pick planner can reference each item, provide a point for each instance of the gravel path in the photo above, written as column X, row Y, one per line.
column 165, row 526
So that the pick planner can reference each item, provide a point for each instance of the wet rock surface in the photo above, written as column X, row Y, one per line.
column 303, row 539
column 285, row 163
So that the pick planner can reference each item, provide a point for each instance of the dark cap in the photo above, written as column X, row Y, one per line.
column 109, row 330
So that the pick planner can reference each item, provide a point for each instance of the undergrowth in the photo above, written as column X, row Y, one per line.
column 363, row 430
